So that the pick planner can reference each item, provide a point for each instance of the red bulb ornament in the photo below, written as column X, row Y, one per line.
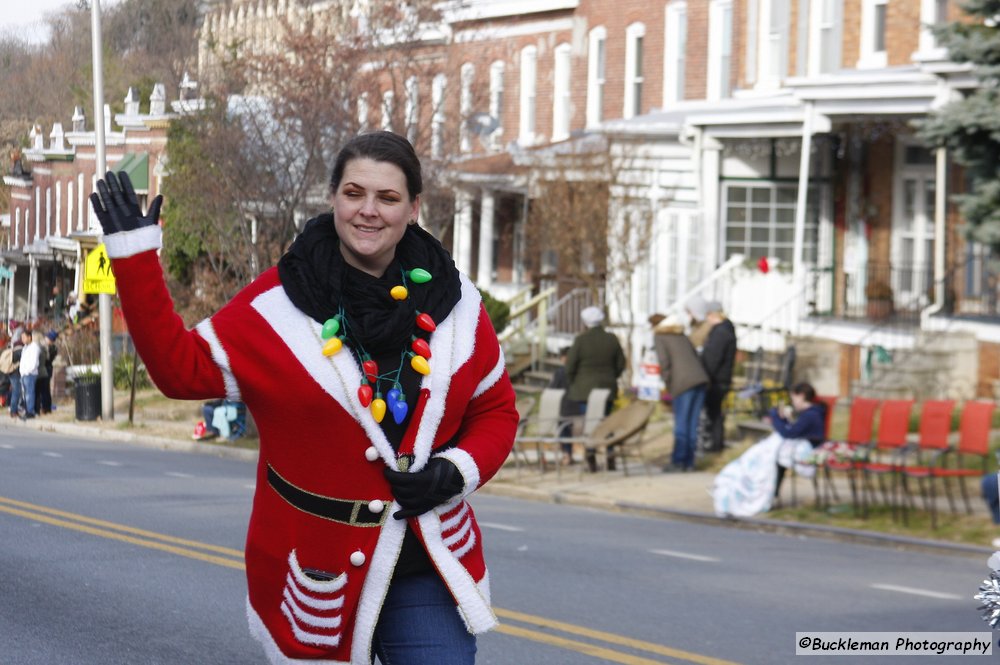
column 365, row 395
column 425, row 322
column 371, row 370
column 421, row 347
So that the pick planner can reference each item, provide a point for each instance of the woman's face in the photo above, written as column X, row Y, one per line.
column 371, row 209
column 799, row 402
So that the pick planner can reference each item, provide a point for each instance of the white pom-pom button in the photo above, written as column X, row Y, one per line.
column 376, row 506
column 371, row 454
column 358, row 558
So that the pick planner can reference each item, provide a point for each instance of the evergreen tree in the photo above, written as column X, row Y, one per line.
column 970, row 127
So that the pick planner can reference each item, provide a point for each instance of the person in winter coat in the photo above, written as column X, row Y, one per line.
column 43, row 388
column 595, row 360
column 31, row 359
column 17, row 346
column 686, row 381
column 809, row 425
column 718, row 357
column 382, row 402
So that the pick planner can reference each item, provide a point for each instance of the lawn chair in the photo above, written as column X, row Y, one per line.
column 542, row 430
column 973, row 442
column 525, row 405
column 886, row 456
column 620, row 434
column 830, row 401
column 935, row 427
column 842, row 456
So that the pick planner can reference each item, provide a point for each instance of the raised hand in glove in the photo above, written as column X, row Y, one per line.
column 428, row 488
column 117, row 206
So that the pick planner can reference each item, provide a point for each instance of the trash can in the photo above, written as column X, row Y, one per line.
column 88, row 397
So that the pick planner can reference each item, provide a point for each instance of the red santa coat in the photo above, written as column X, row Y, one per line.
column 317, row 577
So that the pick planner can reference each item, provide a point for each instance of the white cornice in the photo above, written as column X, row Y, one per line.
column 478, row 10
column 518, row 30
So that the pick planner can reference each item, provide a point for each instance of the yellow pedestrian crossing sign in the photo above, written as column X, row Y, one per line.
column 97, row 274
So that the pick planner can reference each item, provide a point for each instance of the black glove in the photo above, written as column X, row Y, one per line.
column 117, row 206
column 428, row 488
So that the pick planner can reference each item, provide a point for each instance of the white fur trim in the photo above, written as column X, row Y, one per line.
column 469, row 544
column 309, row 584
column 302, row 616
column 473, row 603
column 221, row 358
column 452, row 345
column 339, row 376
column 466, row 466
column 302, row 598
column 491, row 379
column 376, row 585
column 274, row 655
column 452, row 522
column 129, row 243
column 458, row 536
column 304, row 636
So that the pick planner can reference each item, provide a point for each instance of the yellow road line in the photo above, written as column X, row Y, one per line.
column 121, row 527
column 573, row 645
column 142, row 542
column 181, row 547
column 611, row 638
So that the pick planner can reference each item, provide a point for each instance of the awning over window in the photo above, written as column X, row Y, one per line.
column 136, row 165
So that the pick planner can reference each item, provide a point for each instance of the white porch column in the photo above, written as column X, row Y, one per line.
column 798, row 255
column 710, row 164
column 486, row 209
column 462, row 233
column 940, row 217
column 10, row 293
column 32, row 288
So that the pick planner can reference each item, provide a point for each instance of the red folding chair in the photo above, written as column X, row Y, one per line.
column 935, row 427
column 842, row 456
column 885, row 457
column 974, row 443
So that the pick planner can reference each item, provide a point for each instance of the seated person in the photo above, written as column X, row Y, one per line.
column 991, row 495
column 809, row 425
column 222, row 418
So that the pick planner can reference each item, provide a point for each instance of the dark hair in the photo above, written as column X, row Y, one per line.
column 806, row 390
column 381, row 147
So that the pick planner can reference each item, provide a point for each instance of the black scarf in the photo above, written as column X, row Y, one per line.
column 319, row 282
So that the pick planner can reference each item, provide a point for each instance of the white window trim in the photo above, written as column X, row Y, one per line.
column 412, row 108
column 817, row 24
column 363, row 111
column 561, row 92
column 388, row 108
column 869, row 58
column 496, row 101
column 468, row 73
column 769, row 41
column 528, row 96
column 929, row 48
column 675, row 24
column 438, row 86
column 595, row 85
column 716, row 44
column 632, row 35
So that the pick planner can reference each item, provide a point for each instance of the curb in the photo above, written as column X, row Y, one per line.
column 557, row 497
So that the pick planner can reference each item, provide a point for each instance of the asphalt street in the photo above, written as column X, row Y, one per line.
column 112, row 553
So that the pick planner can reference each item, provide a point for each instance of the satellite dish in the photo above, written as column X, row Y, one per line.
column 482, row 124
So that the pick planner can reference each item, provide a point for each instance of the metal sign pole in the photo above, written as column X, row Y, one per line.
column 103, row 299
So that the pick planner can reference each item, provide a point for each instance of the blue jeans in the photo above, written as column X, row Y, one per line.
column 28, row 388
column 687, row 411
column 420, row 624
column 991, row 494
column 15, row 394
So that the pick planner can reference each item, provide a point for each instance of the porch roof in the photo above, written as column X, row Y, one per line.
column 498, row 171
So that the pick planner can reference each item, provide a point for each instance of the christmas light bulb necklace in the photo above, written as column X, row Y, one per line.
column 337, row 330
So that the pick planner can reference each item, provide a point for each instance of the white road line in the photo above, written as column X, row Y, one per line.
column 107, row 462
column 500, row 527
column 178, row 474
column 249, row 487
column 6, row 446
column 917, row 592
column 49, row 454
column 685, row 555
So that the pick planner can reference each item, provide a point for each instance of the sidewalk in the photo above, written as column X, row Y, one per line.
column 684, row 496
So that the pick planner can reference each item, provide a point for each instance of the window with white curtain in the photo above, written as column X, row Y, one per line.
column 412, row 108
column 560, row 93
column 529, row 82
column 596, row 66
column 720, row 44
column 825, row 19
column 634, row 36
column 465, row 106
column 496, row 102
column 932, row 12
column 873, row 27
column 674, row 52
column 438, row 86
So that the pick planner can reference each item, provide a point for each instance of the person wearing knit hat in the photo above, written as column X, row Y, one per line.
column 696, row 307
column 718, row 356
column 686, row 381
column 595, row 360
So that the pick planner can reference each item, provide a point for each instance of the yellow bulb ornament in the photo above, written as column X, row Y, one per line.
column 378, row 409
column 332, row 346
column 420, row 364
column 399, row 293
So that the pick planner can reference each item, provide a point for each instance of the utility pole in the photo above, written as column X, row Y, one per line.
column 104, row 299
